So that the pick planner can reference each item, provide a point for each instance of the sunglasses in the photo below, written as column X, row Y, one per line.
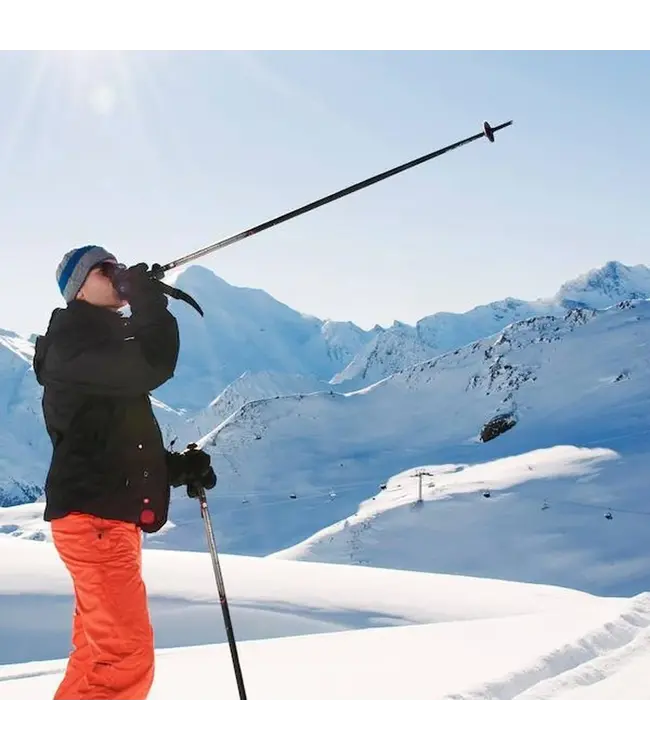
column 110, row 270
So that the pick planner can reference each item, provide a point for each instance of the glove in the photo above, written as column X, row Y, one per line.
column 191, row 468
column 136, row 286
column 198, row 471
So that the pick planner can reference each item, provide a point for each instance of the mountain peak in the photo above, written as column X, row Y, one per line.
column 197, row 277
column 606, row 285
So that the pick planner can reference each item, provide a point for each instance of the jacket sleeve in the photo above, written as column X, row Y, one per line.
column 140, row 363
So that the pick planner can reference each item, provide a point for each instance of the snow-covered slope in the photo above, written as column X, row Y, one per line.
column 344, row 340
column 289, row 466
column 402, row 346
column 247, row 387
column 247, row 330
column 249, row 345
column 537, row 516
column 26, row 451
column 559, row 497
column 312, row 631
column 24, row 447
column 604, row 286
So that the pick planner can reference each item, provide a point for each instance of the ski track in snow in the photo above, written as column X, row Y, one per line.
column 617, row 665
column 594, row 656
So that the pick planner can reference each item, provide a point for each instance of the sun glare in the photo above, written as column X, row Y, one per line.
column 99, row 92
column 92, row 78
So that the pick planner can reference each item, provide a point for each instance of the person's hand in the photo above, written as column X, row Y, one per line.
column 198, row 470
column 135, row 284
column 192, row 468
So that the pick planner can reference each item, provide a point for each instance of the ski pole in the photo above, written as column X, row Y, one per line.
column 205, row 514
column 488, row 132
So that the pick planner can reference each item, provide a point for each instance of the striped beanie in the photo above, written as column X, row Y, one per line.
column 76, row 265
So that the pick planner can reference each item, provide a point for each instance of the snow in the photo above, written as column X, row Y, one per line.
column 333, row 451
column 248, row 387
column 602, row 287
column 24, row 444
column 290, row 466
column 317, row 631
column 524, row 572
column 402, row 346
column 251, row 347
column 246, row 330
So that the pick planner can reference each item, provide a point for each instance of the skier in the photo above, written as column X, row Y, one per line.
column 110, row 475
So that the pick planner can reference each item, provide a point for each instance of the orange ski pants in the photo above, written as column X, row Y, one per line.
column 112, row 655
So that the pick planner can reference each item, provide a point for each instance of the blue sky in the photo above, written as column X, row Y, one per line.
column 157, row 154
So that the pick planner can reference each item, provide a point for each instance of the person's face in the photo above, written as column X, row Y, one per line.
column 98, row 290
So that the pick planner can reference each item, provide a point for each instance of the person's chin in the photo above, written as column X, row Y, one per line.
column 114, row 306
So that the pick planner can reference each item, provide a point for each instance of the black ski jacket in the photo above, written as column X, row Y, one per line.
column 97, row 369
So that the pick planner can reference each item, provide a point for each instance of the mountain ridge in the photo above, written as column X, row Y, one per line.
column 25, row 449
column 401, row 345
column 558, row 498
column 301, row 461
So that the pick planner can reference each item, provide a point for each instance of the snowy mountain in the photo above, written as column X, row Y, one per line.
column 24, row 446
column 402, row 346
column 565, row 515
column 601, row 287
column 247, row 387
column 290, row 466
column 248, row 345
column 247, row 330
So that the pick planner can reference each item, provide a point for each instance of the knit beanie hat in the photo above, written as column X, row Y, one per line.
column 76, row 265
